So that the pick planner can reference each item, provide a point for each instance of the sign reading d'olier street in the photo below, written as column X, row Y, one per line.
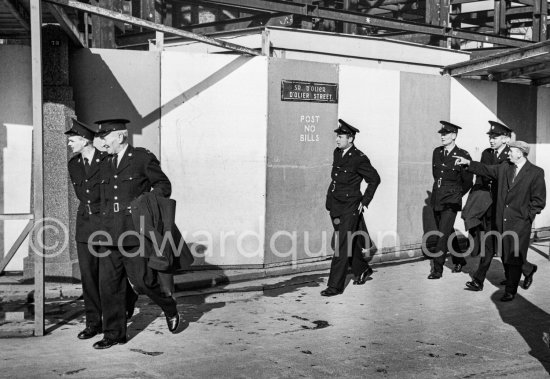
column 296, row 90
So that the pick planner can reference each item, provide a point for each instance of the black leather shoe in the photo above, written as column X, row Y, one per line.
column 507, row 297
column 330, row 292
column 457, row 268
column 106, row 343
column 87, row 333
column 435, row 275
column 474, row 285
column 362, row 279
column 173, row 322
column 504, row 282
column 529, row 278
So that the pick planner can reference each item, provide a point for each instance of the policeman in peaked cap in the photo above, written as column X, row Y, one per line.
column 84, row 171
column 345, row 203
column 482, row 199
column 451, row 182
column 128, row 173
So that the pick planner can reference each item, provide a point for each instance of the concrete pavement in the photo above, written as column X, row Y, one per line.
column 399, row 324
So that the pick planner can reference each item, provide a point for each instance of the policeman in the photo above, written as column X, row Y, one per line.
column 499, row 135
column 345, row 202
column 126, row 174
column 451, row 182
column 85, row 175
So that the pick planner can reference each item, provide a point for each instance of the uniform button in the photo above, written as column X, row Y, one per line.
column 89, row 201
column 335, row 174
column 116, row 197
column 87, row 191
column 504, row 219
column 86, row 180
column 115, row 187
column 116, row 176
column 506, row 205
column 441, row 170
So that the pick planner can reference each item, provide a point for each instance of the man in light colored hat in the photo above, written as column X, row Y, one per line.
column 479, row 211
column 451, row 183
column 128, row 173
column 521, row 195
column 345, row 204
column 84, row 171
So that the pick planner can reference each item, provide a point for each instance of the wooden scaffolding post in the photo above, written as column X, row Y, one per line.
column 37, row 166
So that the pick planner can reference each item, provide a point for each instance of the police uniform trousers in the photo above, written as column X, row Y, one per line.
column 88, row 262
column 445, row 220
column 114, row 265
column 348, row 248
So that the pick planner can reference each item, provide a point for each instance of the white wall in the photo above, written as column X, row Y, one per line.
column 369, row 100
column 213, row 148
column 543, row 149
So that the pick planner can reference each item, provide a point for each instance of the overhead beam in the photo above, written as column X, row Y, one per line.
column 136, row 39
column 486, row 63
column 358, row 18
column 521, row 71
column 19, row 12
column 541, row 82
column 151, row 25
column 67, row 25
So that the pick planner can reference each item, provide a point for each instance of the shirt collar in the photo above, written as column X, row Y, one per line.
column 500, row 149
column 520, row 165
column 346, row 150
column 121, row 153
column 89, row 156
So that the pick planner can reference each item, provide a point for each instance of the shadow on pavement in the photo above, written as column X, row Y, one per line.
column 191, row 309
column 528, row 319
column 294, row 284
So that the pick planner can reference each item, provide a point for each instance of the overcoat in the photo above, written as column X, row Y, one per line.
column 518, row 201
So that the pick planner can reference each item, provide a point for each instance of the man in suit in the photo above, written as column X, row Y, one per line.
column 499, row 135
column 346, row 203
column 85, row 175
column 451, row 183
column 126, row 174
column 521, row 195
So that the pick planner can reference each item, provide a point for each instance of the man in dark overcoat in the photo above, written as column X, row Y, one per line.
column 521, row 195
column 485, row 192
column 451, row 183
column 85, row 176
column 346, row 203
column 126, row 174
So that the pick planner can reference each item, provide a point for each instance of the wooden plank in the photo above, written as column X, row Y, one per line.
column 486, row 63
column 38, row 167
column 67, row 25
column 16, row 216
column 151, row 25
column 522, row 71
column 16, row 245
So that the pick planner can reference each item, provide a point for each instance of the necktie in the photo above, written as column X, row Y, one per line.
column 445, row 153
column 86, row 166
column 115, row 161
column 515, row 173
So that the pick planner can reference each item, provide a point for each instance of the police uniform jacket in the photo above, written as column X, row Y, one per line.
column 344, row 193
column 451, row 181
column 138, row 172
column 518, row 201
column 87, row 190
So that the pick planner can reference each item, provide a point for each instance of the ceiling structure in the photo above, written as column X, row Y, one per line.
column 514, row 28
